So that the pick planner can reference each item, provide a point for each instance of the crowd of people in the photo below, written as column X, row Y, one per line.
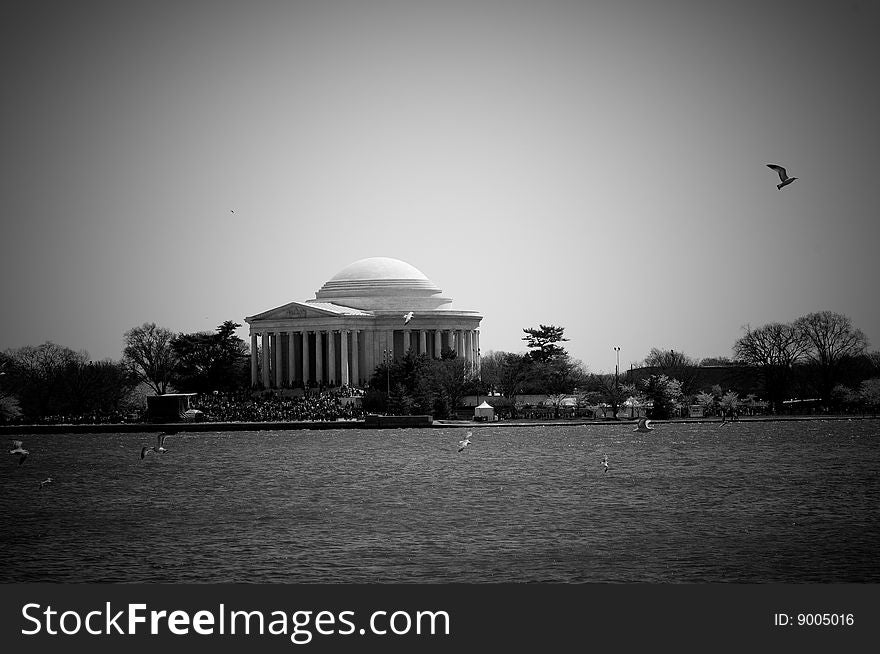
column 278, row 407
column 243, row 406
column 112, row 418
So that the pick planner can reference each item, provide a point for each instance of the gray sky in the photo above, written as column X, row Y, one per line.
column 595, row 165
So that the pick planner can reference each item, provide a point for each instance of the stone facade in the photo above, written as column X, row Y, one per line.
column 355, row 323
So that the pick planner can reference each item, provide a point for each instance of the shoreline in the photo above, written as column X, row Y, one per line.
column 104, row 428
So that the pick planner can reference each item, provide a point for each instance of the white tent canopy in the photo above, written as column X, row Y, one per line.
column 484, row 410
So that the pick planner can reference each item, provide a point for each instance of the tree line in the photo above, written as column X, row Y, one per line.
column 820, row 355
column 54, row 382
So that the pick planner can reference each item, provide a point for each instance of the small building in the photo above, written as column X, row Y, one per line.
column 485, row 412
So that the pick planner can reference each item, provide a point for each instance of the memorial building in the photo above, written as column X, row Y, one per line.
column 359, row 319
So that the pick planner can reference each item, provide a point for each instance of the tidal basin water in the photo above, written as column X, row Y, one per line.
column 688, row 503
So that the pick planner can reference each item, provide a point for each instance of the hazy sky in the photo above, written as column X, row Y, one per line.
column 595, row 165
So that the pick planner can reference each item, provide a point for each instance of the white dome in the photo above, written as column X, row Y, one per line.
column 381, row 283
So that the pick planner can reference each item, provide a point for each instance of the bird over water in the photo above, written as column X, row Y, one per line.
column 644, row 425
column 464, row 443
column 17, row 449
column 784, row 179
column 159, row 447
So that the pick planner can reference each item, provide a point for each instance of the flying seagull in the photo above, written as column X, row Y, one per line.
column 783, row 176
column 159, row 447
column 18, row 449
column 605, row 462
column 45, row 481
column 467, row 441
column 407, row 317
column 644, row 425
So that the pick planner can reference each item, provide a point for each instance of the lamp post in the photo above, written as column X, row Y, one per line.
column 617, row 366
column 616, row 373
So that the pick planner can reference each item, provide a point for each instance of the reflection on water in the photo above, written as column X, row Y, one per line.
column 748, row 502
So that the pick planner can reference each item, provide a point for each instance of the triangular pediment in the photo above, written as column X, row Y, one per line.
column 296, row 310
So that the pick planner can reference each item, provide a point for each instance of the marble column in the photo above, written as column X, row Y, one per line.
column 459, row 344
column 355, row 356
column 277, row 348
column 265, row 338
column 479, row 355
column 291, row 360
column 331, row 357
column 343, row 347
column 438, row 346
column 319, row 356
column 389, row 342
column 305, row 339
column 423, row 341
column 406, row 340
column 253, row 358
column 451, row 336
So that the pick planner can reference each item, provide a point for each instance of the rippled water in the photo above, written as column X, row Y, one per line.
column 748, row 502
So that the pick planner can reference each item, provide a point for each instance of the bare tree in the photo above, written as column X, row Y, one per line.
column 677, row 365
column 149, row 352
column 38, row 376
column 832, row 339
column 773, row 349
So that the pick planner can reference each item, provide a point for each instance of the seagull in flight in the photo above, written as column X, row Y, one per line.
column 45, row 481
column 159, row 447
column 407, row 317
column 464, row 443
column 783, row 176
column 18, row 449
column 605, row 462
column 644, row 425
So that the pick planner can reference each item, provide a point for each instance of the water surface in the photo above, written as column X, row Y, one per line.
column 746, row 502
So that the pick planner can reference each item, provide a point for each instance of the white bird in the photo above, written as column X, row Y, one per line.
column 644, row 425
column 19, row 450
column 45, row 481
column 783, row 176
column 159, row 447
column 605, row 462
column 407, row 317
column 464, row 443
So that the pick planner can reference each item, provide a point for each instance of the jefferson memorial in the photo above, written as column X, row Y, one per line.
column 357, row 321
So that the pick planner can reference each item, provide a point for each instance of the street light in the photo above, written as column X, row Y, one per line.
column 617, row 366
column 616, row 373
